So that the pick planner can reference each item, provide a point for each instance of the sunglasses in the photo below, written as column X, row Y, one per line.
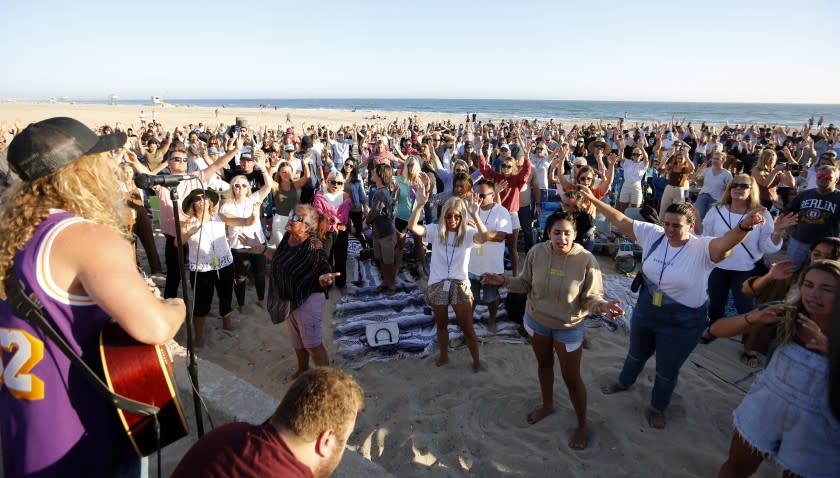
column 452, row 216
column 336, row 183
column 635, row 155
column 744, row 186
column 178, row 159
column 507, row 166
column 484, row 195
column 240, row 186
column 295, row 217
column 586, row 178
column 348, row 165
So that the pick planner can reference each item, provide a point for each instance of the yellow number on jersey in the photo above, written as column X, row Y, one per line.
column 26, row 351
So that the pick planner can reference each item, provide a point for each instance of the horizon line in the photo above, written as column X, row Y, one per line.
column 105, row 99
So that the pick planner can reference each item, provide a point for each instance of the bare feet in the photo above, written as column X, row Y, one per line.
column 613, row 388
column 241, row 309
column 441, row 361
column 655, row 419
column 476, row 367
column 491, row 325
column 539, row 414
column 298, row 373
column 226, row 322
column 261, row 304
column 580, row 439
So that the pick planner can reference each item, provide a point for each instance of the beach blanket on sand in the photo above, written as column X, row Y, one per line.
column 362, row 305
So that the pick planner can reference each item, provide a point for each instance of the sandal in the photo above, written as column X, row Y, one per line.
column 750, row 359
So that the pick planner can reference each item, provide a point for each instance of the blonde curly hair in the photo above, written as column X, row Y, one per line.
column 89, row 188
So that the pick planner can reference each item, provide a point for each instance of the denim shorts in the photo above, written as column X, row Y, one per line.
column 572, row 338
column 786, row 415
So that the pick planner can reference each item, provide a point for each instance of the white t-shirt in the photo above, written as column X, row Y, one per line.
column 490, row 256
column 243, row 210
column 213, row 252
column 758, row 241
column 687, row 270
column 715, row 185
column 540, row 170
column 633, row 172
column 448, row 260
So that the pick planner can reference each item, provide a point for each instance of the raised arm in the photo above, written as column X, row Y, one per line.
column 223, row 160
column 266, row 188
column 420, row 200
column 621, row 222
column 721, row 247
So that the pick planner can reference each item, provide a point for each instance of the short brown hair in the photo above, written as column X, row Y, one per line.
column 320, row 399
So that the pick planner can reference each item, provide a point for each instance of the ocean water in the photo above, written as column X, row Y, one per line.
column 635, row 111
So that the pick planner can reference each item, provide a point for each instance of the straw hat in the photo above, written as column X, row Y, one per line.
column 599, row 141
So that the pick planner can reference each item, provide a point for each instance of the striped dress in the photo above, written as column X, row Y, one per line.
column 294, row 276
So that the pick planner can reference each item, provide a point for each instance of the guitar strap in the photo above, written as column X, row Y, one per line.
column 30, row 311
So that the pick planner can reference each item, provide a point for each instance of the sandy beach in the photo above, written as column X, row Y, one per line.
column 422, row 421
column 95, row 115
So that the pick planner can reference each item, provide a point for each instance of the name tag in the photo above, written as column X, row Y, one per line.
column 446, row 285
column 216, row 261
column 656, row 298
column 557, row 272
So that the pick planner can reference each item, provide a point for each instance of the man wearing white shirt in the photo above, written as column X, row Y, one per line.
column 489, row 256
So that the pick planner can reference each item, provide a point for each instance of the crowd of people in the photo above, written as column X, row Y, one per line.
column 257, row 203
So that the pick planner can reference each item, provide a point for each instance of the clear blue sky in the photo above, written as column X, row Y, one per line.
column 765, row 51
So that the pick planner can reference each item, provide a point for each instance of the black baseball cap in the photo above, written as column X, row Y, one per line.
column 49, row 145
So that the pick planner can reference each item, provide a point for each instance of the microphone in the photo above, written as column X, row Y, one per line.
column 146, row 181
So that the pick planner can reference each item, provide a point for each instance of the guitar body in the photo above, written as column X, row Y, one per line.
column 143, row 373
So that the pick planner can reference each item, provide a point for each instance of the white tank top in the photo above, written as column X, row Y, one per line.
column 335, row 199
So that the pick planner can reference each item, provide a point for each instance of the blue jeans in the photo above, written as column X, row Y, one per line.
column 721, row 282
column 526, row 217
column 798, row 251
column 704, row 203
column 672, row 331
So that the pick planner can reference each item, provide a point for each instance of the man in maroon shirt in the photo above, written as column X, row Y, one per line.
column 305, row 437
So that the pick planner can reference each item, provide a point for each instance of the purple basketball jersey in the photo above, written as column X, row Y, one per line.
column 53, row 422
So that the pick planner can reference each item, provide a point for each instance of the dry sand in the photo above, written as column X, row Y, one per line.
column 422, row 421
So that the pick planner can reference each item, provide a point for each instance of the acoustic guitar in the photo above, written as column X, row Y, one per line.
column 144, row 373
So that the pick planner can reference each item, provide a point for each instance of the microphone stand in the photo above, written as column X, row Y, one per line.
column 191, row 367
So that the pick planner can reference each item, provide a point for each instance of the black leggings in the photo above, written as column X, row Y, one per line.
column 335, row 243
column 173, row 275
column 243, row 262
column 356, row 219
column 205, row 282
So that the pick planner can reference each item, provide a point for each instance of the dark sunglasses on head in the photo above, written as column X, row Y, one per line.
column 740, row 186
column 295, row 217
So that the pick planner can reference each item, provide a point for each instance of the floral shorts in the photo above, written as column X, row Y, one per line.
column 459, row 293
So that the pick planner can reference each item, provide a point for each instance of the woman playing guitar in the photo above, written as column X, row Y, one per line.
column 63, row 237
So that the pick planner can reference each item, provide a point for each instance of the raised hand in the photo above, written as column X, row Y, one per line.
column 782, row 269
column 784, row 221
column 586, row 192
column 754, row 217
column 252, row 242
column 818, row 341
column 501, row 186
